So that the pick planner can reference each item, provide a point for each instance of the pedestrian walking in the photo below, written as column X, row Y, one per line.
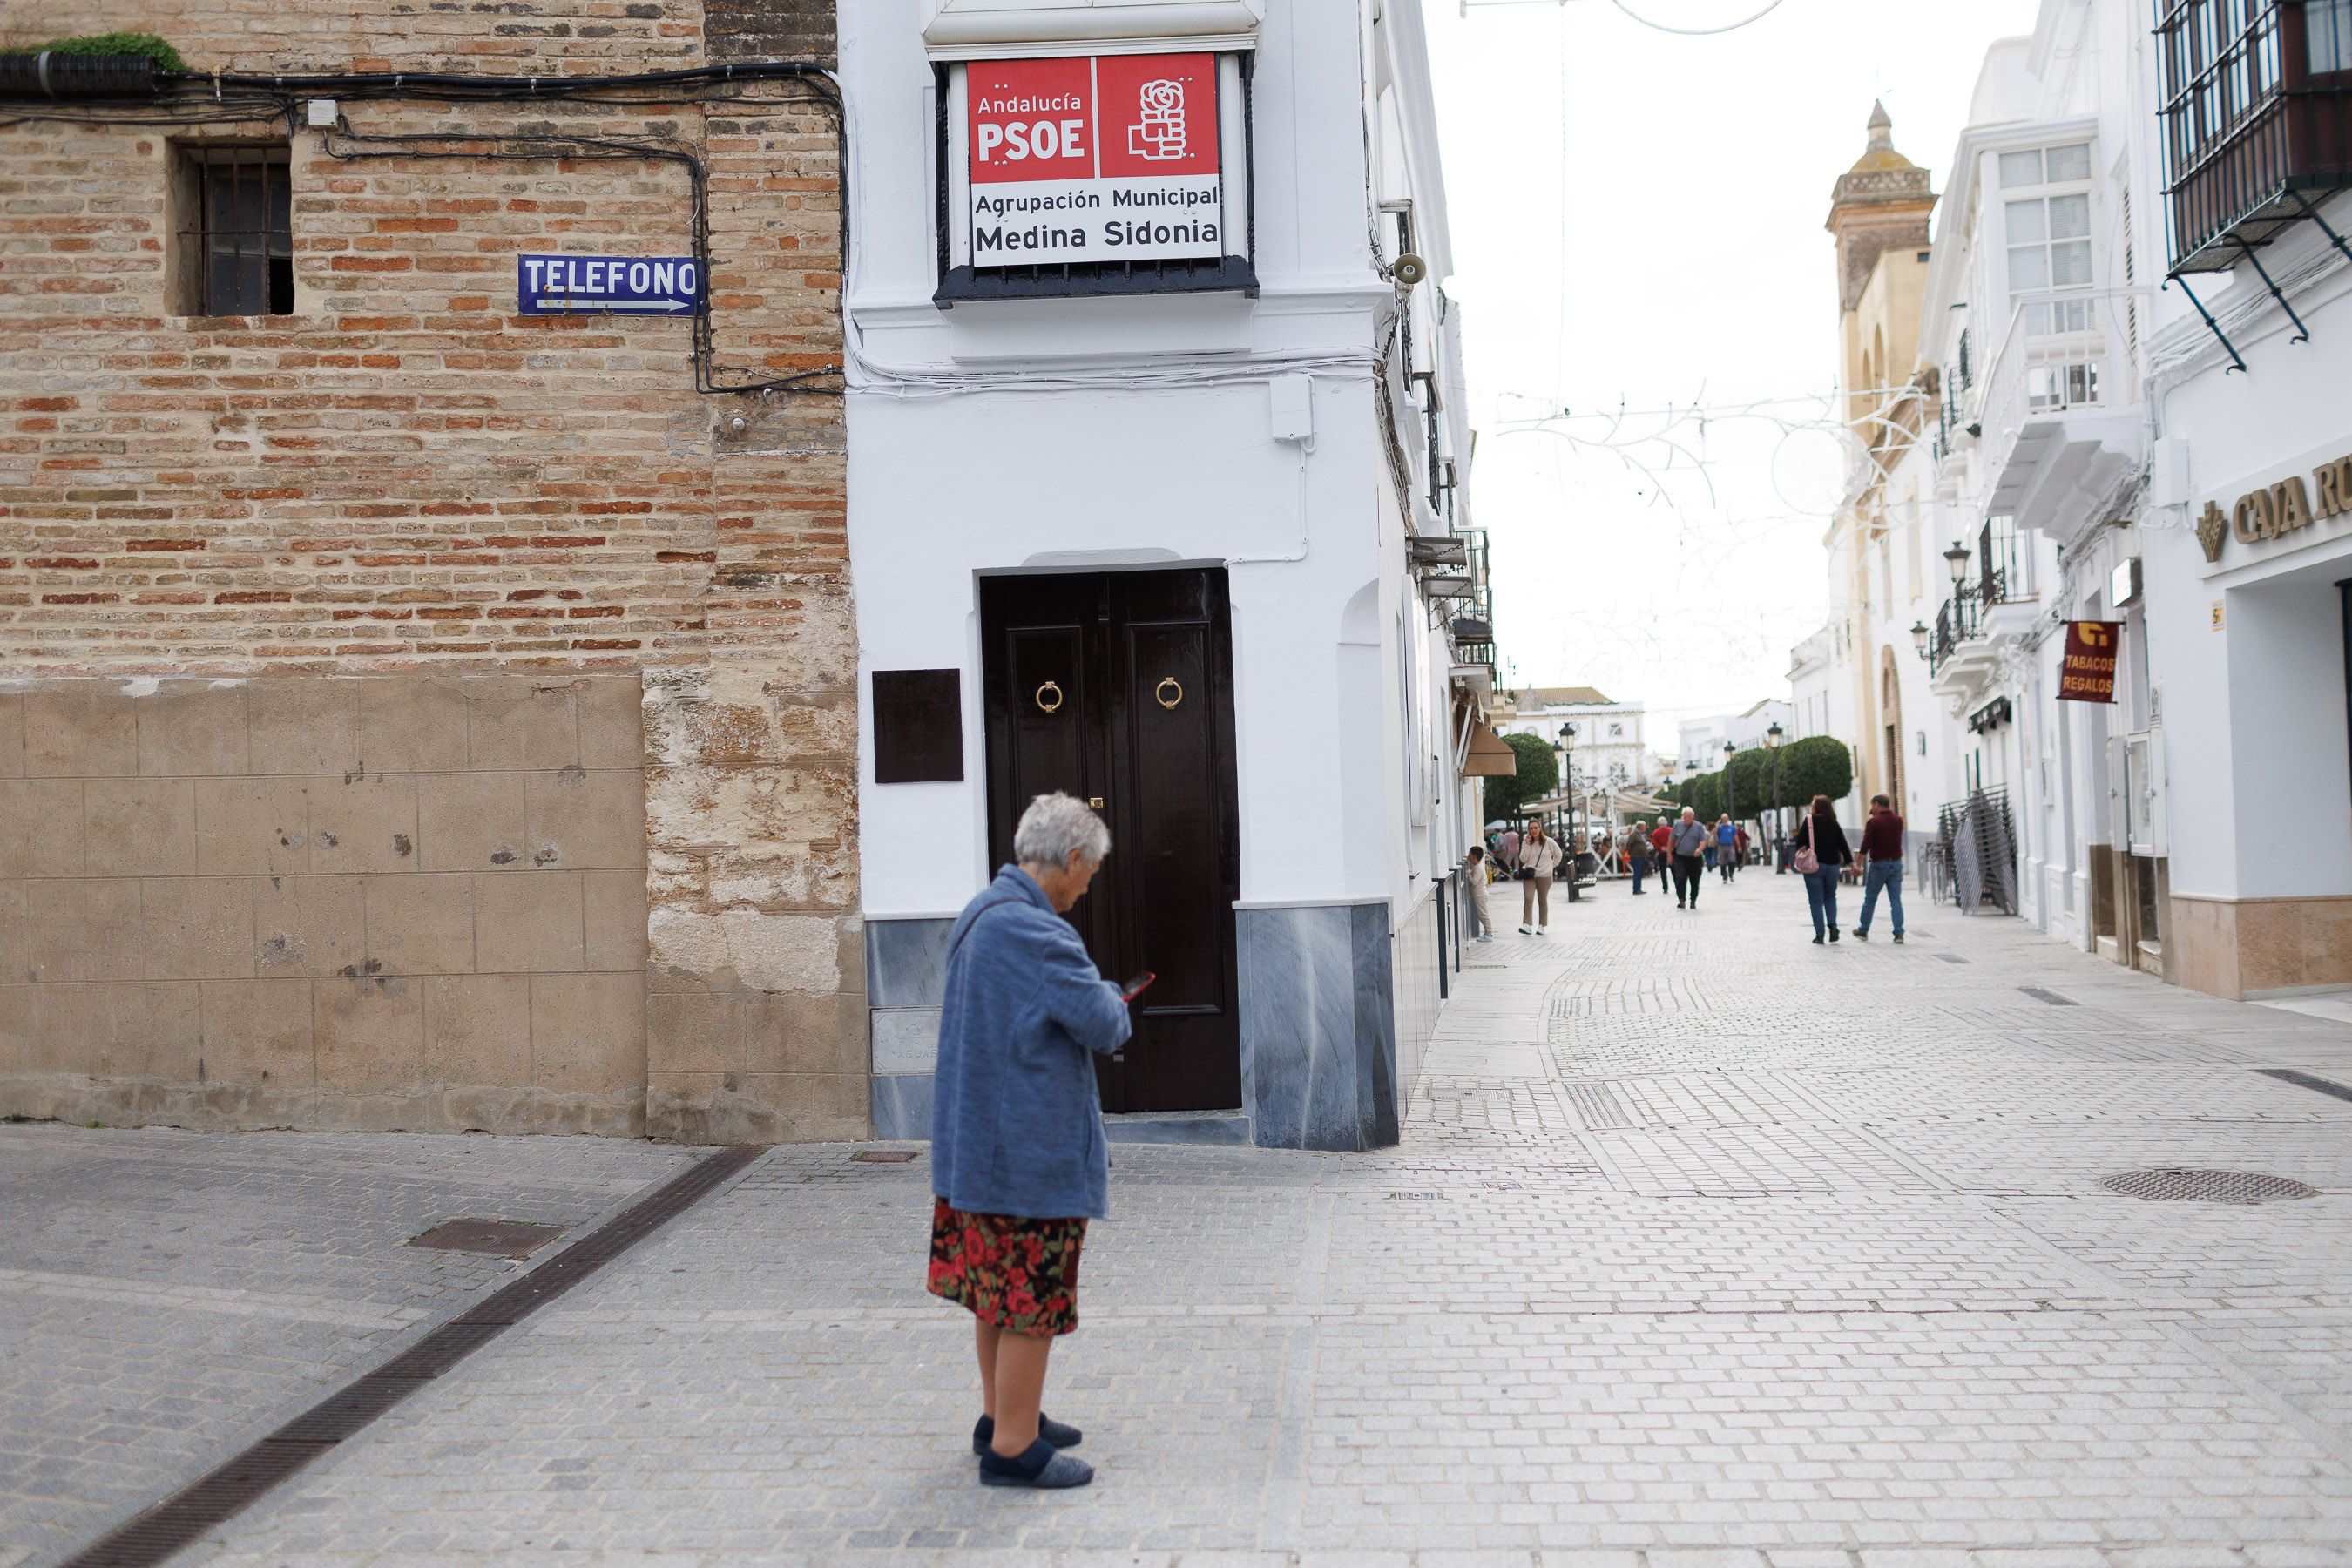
column 1690, row 839
column 1821, row 853
column 1018, row 1162
column 1510, row 852
column 1742, row 844
column 1539, row 857
column 1662, row 850
column 1727, row 846
column 1882, row 866
column 1475, row 876
column 1637, row 855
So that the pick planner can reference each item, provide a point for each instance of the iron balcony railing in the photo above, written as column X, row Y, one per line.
column 2000, row 572
column 1959, row 621
column 2256, row 117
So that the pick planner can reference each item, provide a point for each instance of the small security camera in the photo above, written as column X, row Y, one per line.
column 1407, row 270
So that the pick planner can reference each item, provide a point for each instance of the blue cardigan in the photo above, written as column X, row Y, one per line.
column 1016, row 1121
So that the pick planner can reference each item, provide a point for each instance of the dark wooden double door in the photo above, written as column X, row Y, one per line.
column 1117, row 687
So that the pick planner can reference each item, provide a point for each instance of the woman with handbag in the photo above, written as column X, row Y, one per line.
column 1821, row 850
column 1539, row 857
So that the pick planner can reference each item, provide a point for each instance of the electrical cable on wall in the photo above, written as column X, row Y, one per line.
column 189, row 99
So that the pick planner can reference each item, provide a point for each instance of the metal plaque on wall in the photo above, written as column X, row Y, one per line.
column 918, row 726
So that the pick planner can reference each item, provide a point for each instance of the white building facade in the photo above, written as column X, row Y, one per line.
column 1155, row 426
column 2126, row 409
column 1701, row 742
column 1610, row 748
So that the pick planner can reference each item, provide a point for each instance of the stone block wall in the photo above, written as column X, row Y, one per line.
column 405, row 480
column 386, row 901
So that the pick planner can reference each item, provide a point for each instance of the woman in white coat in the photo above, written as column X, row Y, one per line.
column 1539, row 857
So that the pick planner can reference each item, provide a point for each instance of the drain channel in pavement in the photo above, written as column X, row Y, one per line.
column 228, row 1490
column 2304, row 1081
column 2052, row 997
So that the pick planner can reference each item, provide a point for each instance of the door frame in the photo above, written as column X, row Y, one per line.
column 1109, row 761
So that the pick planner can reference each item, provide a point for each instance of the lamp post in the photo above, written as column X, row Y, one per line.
column 1730, row 792
column 1957, row 559
column 1772, row 738
column 1919, row 637
column 1567, row 795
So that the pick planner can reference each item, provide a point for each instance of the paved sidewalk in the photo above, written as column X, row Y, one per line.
column 1706, row 1249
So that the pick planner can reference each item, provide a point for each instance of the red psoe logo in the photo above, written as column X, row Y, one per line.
column 1158, row 114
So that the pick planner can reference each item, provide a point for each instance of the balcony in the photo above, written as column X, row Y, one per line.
column 1994, row 604
column 2058, row 427
column 2257, row 121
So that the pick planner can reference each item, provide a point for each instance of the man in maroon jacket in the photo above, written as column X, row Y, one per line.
column 1882, row 861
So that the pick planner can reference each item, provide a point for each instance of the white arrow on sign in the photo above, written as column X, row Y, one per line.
column 569, row 302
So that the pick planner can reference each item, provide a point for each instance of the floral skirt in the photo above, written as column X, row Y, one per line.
column 1018, row 1274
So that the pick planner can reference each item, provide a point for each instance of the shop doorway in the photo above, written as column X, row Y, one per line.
column 1117, row 687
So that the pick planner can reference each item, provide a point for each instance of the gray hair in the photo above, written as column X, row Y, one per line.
column 1056, row 826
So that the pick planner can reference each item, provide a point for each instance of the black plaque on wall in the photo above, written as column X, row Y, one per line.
column 918, row 726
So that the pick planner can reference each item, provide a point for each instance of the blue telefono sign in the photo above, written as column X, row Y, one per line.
column 599, row 285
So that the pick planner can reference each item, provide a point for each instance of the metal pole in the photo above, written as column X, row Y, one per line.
column 1441, row 937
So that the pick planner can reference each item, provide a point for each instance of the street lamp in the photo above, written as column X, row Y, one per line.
column 1772, row 738
column 1919, row 637
column 1730, row 789
column 1957, row 558
column 1567, row 795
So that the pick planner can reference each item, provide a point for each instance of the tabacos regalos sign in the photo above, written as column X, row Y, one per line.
column 1109, row 158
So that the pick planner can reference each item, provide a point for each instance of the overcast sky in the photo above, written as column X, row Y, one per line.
column 1637, row 222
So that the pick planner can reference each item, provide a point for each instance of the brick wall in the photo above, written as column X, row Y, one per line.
column 406, row 478
column 770, row 29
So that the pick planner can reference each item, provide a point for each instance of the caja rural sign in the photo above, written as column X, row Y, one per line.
column 1112, row 158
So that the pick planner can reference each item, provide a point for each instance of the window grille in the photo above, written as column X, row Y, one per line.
column 2257, row 120
column 237, row 232
column 2328, row 26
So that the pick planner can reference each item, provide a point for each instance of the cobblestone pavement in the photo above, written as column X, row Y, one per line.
column 1705, row 1248
column 164, row 1296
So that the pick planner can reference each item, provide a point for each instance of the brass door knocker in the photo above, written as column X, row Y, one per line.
column 1049, row 699
column 1162, row 692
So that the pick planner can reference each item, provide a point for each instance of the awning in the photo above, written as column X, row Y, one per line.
column 1489, row 757
column 982, row 29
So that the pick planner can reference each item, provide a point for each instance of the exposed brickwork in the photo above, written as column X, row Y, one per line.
column 770, row 29
column 406, row 475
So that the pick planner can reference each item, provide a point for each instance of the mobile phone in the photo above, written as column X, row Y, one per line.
column 1137, row 986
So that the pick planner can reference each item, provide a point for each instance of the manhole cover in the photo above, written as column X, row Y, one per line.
column 2177, row 1186
column 883, row 1156
column 498, row 1238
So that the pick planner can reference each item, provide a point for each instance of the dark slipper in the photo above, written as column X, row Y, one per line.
column 1049, row 1431
column 1042, row 1467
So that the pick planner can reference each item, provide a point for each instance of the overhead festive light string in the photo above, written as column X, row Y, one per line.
column 1748, row 21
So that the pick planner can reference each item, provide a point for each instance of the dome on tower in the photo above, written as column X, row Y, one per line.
column 1882, row 154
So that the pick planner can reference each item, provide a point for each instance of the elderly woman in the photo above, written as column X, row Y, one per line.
column 1017, row 1151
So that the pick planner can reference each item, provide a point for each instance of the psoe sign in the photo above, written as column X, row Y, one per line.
column 1109, row 158
column 2275, row 511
